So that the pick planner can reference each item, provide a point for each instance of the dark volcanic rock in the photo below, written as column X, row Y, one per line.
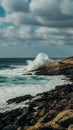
column 10, row 127
column 26, row 118
column 52, row 110
column 19, row 99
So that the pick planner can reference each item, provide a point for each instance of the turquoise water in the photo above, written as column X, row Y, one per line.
column 14, row 83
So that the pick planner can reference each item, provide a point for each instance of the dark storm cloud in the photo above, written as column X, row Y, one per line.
column 53, row 13
column 16, row 5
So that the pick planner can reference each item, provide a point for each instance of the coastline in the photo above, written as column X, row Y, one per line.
column 50, row 110
column 42, row 111
column 34, row 85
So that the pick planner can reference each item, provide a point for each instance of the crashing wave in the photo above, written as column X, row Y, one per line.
column 40, row 59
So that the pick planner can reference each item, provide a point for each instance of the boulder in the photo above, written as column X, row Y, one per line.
column 64, row 118
column 70, row 127
column 62, row 121
column 64, row 66
column 52, row 110
column 20, row 99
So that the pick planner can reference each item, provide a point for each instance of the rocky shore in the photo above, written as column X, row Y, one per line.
column 64, row 67
column 51, row 110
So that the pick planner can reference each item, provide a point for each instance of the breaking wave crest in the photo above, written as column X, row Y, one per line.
column 13, row 83
column 9, row 70
column 40, row 59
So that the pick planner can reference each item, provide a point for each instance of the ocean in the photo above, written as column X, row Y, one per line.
column 15, row 81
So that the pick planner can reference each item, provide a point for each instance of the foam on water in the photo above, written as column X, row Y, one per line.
column 13, row 83
column 40, row 59
column 38, row 85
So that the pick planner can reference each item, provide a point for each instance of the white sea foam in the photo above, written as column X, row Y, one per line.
column 40, row 59
column 11, row 91
column 16, row 84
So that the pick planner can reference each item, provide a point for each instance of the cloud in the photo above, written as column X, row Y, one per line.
column 44, row 8
column 46, row 21
column 67, row 7
column 18, row 12
column 22, row 18
column 51, row 13
column 55, row 36
column 16, row 5
column 12, row 35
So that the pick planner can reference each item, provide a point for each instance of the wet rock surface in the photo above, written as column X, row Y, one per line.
column 20, row 99
column 52, row 110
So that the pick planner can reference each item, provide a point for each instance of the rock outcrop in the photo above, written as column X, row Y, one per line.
column 52, row 110
column 20, row 99
column 64, row 66
column 62, row 121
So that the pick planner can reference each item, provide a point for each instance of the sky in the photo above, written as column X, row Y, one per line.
column 29, row 27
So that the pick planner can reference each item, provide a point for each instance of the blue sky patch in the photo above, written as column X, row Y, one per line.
column 2, row 12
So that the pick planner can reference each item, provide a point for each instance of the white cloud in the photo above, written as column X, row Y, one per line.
column 23, row 34
column 51, row 13
column 44, row 8
column 49, row 16
column 17, row 34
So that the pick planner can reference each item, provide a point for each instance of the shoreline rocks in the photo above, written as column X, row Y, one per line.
column 20, row 99
column 62, row 67
column 51, row 110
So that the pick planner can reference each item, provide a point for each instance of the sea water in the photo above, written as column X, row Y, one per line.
column 15, row 81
